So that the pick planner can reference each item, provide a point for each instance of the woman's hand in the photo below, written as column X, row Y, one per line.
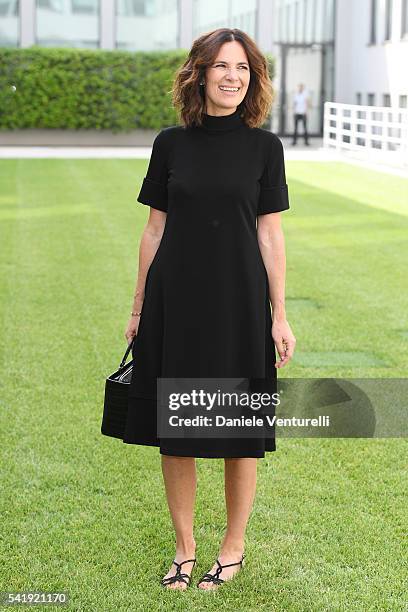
column 132, row 329
column 284, row 341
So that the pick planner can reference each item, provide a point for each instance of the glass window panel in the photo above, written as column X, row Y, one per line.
column 329, row 23
column 55, row 6
column 84, row 7
column 388, row 19
column 306, row 9
column 314, row 21
column 277, row 28
column 404, row 18
column 291, row 21
column 310, row 20
column 224, row 14
column 319, row 17
column 146, row 25
column 9, row 23
column 67, row 23
column 287, row 23
column 371, row 99
column 373, row 21
column 386, row 99
column 297, row 23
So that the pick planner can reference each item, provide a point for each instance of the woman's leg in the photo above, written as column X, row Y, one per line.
column 240, row 488
column 180, row 481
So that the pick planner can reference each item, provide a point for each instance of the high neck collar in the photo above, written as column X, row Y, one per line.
column 218, row 123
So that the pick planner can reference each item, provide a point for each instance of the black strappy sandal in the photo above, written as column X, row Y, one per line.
column 178, row 576
column 215, row 578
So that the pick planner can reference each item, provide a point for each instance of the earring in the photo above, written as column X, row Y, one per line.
column 202, row 83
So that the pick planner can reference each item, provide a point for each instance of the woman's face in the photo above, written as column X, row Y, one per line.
column 230, row 69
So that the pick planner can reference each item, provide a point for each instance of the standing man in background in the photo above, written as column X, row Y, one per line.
column 300, row 108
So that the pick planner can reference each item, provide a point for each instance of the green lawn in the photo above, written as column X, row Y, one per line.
column 87, row 514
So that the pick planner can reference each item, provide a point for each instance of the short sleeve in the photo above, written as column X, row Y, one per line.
column 273, row 196
column 154, row 187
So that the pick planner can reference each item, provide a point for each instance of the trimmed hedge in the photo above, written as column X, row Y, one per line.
column 88, row 89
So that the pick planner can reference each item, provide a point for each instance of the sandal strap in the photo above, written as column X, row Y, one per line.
column 215, row 578
column 186, row 561
column 220, row 567
column 178, row 576
column 211, row 578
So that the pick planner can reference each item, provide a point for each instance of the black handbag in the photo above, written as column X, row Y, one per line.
column 116, row 398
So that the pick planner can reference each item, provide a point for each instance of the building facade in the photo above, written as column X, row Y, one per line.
column 342, row 50
column 372, row 53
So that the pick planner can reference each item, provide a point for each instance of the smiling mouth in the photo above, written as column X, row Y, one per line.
column 228, row 89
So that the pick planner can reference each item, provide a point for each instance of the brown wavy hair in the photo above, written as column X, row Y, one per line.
column 188, row 96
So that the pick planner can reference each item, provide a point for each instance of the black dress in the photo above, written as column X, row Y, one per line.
column 206, row 310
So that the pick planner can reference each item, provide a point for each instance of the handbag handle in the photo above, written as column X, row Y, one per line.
column 122, row 363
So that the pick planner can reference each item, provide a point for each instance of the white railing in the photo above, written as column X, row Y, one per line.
column 375, row 133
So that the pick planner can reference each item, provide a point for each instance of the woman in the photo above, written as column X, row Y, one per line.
column 211, row 262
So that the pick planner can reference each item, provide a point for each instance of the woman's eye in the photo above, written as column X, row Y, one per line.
column 222, row 66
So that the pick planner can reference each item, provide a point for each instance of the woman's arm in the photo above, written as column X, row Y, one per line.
column 272, row 246
column 149, row 243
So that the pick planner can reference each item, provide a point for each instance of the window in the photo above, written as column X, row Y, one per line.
column 292, row 23
column 278, row 25
column 131, row 8
column 373, row 22
column 358, row 98
column 386, row 99
column 63, row 23
column 305, row 12
column 148, row 25
column 404, row 18
column 325, row 31
column 84, row 7
column 9, row 23
column 223, row 13
column 296, row 20
column 55, row 6
column 403, row 101
column 287, row 14
column 371, row 99
column 310, row 16
column 314, row 20
column 388, row 19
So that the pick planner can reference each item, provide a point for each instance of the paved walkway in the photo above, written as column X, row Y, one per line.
column 300, row 151
column 314, row 152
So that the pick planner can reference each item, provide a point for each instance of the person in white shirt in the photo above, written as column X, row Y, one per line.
column 300, row 108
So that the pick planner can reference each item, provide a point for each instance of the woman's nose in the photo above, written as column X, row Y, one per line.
column 232, row 73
